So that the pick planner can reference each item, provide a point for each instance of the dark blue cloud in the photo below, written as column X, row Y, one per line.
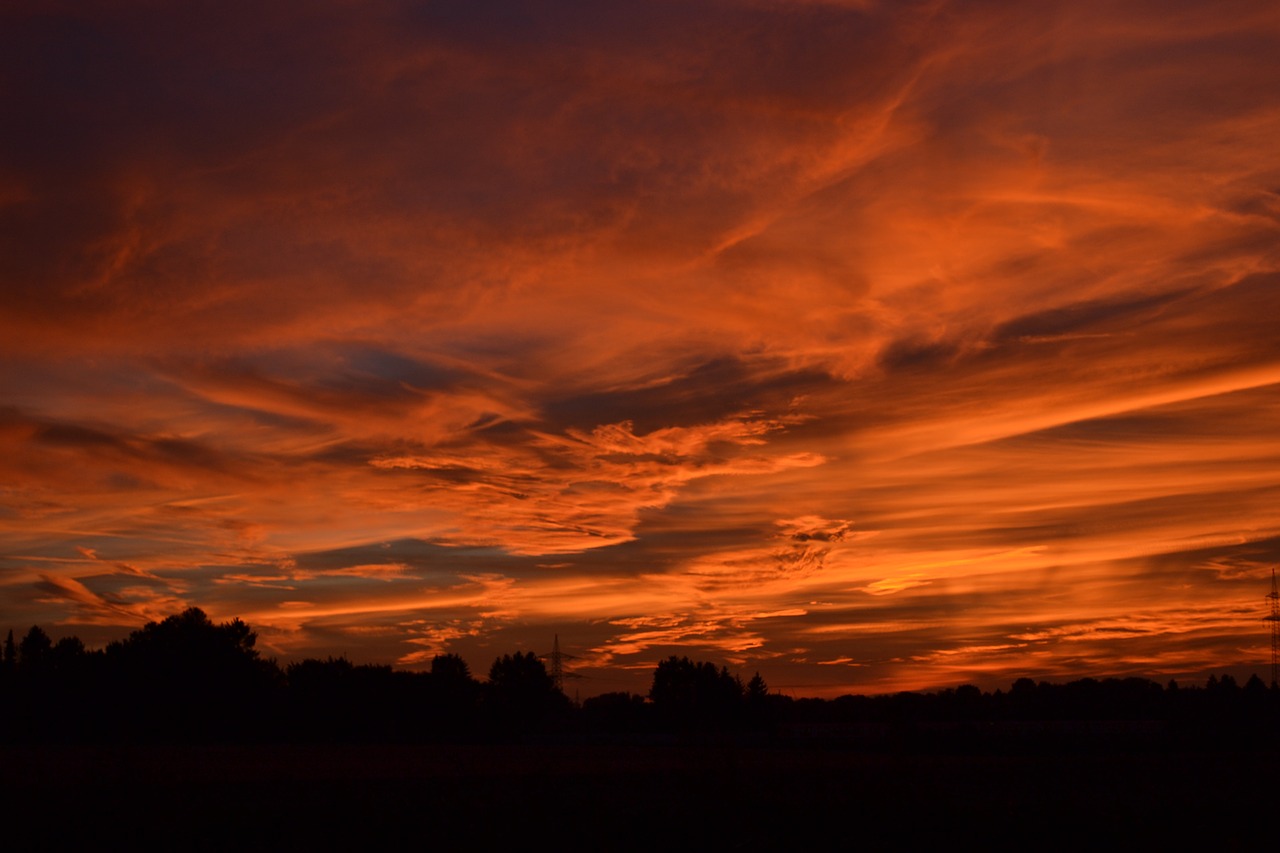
column 707, row 392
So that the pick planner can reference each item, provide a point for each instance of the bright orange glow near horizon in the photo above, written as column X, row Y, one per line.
column 867, row 345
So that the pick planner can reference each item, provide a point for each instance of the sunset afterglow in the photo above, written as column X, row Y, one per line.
column 867, row 345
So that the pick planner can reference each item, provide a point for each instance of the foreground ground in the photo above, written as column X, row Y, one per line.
column 629, row 797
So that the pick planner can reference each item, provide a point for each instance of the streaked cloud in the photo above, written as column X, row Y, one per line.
column 871, row 345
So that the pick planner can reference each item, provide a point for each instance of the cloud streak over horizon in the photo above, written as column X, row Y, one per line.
column 867, row 345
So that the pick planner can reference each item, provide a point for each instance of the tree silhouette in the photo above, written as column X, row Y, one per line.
column 450, row 668
column 763, row 710
column 10, row 653
column 521, row 693
column 520, row 675
column 8, row 670
column 34, row 650
column 616, row 713
column 322, row 700
column 695, row 693
column 452, row 698
column 192, row 677
column 186, row 678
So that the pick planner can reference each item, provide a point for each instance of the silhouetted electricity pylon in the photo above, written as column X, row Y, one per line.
column 556, row 660
column 1273, row 617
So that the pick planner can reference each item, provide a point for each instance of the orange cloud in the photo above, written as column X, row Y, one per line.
column 875, row 345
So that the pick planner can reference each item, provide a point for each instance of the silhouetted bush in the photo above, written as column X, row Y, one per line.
column 187, row 678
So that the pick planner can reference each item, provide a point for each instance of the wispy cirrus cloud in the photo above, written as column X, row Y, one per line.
column 923, row 338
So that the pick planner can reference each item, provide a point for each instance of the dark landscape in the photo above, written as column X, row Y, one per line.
column 780, row 425
column 181, row 736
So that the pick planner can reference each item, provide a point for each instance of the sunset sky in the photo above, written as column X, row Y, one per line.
column 867, row 345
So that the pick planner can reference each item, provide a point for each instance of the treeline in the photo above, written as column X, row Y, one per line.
column 188, row 679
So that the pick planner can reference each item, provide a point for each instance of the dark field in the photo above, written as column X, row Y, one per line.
column 629, row 797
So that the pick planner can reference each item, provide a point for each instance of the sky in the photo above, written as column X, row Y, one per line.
column 866, row 345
